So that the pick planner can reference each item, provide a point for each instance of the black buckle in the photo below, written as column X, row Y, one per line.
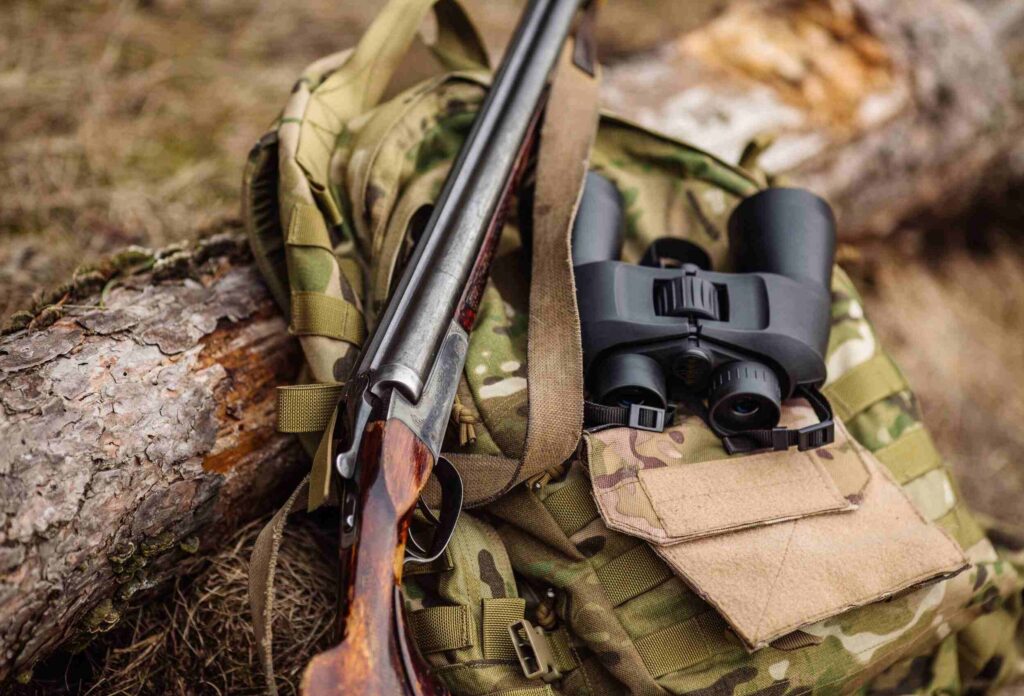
column 780, row 439
column 650, row 418
column 816, row 435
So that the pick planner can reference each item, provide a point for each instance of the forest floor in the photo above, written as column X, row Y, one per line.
column 129, row 122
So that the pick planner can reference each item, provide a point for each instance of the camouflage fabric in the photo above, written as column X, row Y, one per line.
column 476, row 577
column 957, row 635
column 330, row 195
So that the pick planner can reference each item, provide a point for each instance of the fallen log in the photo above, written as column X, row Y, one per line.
column 889, row 109
column 139, row 431
column 134, row 434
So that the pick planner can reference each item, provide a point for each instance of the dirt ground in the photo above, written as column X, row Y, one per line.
column 128, row 123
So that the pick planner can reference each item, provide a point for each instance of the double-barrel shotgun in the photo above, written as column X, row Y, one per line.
column 397, row 403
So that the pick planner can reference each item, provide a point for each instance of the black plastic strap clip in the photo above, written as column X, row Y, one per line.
column 816, row 435
column 650, row 418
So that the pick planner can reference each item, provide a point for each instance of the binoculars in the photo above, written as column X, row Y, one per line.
column 735, row 344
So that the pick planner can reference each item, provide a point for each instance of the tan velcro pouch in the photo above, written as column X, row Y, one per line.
column 774, row 541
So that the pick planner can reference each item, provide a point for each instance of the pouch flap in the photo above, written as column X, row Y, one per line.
column 768, row 581
column 678, row 485
column 795, row 565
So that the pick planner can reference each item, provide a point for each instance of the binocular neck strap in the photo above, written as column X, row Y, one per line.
column 778, row 439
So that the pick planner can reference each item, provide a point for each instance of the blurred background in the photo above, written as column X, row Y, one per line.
column 129, row 122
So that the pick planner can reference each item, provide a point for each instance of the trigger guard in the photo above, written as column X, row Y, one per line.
column 451, row 506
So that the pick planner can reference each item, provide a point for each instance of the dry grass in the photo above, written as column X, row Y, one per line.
column 128, row 122
column 198, row 639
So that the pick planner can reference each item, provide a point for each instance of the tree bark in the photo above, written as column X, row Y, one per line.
column 135, row 435
column 888, row 109
column 138, row 433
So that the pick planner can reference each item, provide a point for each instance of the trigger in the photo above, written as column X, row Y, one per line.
column 444, row 522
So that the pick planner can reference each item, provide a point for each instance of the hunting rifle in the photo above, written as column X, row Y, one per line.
column 397, row 403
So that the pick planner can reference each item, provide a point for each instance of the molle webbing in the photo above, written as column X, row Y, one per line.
column 684, row 644
column 498, row 615
column 306, row 227
column 561, row 650
column 317, row 314
column 864, row 385
column 436, row 629
column 306, row 408
column 959, row 523
column 626, row 576
column 531, row 691
column 910, row 455
column 633, row 573
column 572, row 506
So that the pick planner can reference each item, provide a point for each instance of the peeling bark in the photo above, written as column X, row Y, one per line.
column 886, row 108
column 133, row 436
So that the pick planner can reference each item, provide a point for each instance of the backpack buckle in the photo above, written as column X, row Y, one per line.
column 533, row 651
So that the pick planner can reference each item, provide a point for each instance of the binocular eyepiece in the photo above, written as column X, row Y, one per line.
column 670, row 329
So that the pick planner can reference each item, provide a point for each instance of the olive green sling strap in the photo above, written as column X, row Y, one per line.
column 555, row 355
column 554, row 362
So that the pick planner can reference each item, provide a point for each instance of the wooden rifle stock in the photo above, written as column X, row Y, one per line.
column 374, row 658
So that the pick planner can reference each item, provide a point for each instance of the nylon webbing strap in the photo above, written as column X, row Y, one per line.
column 320, row 474
column 561, row 650
column 443, row 564
column 554, row 352
column 631, row 574
column 262, row 566
column 821, row 433
column 306, row 408
column 864, row 385
column 306, row 227
column 317, row 314
column 962, row 526
column 528, row 691
column 683, row 644
column 910, row 455
column 498, row 615
column 572, row 506
column 436, row 629
column 651, row 418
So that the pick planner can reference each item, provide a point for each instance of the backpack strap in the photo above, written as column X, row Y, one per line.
column 262, row 566
column 554, row 350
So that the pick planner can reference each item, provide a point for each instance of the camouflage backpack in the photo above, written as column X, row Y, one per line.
column 620, row 561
